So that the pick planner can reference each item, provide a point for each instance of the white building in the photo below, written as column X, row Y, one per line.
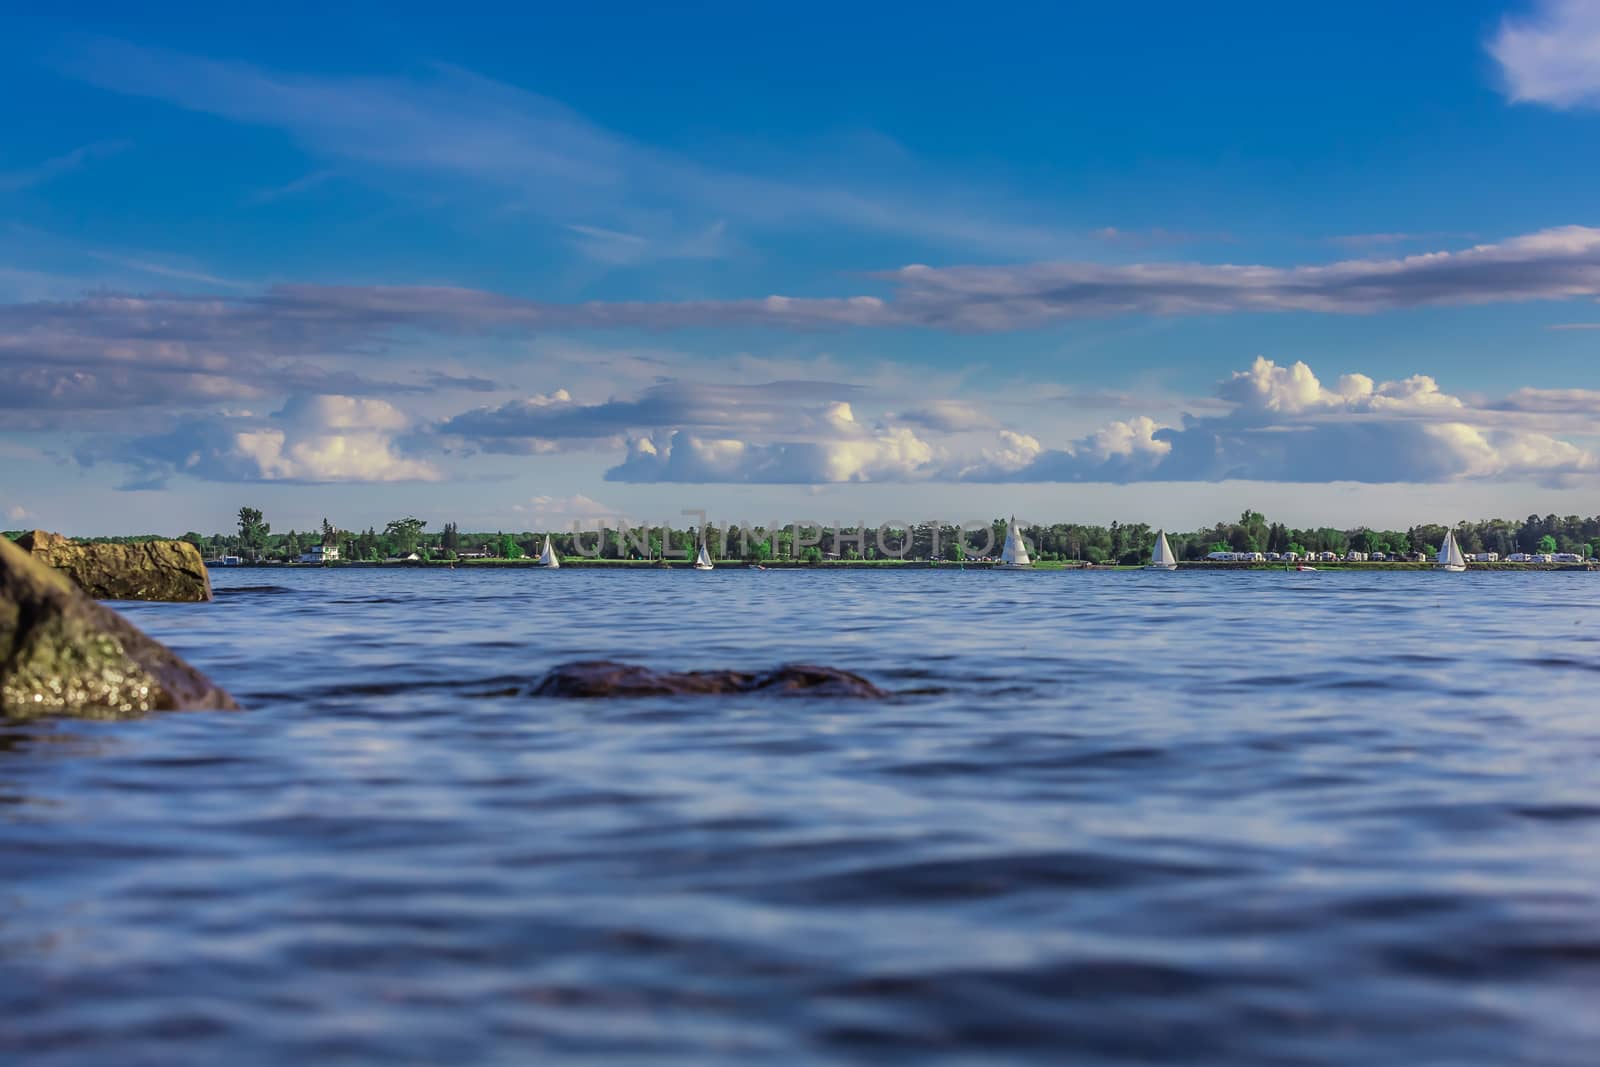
column 320, row 554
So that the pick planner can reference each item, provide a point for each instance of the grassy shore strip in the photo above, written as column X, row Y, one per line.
column 581, row 562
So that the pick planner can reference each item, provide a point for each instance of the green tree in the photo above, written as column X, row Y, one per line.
column 509, row 549
column 253, row 531
column 403, row 535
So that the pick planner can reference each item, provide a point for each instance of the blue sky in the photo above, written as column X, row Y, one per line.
column 1064, row 260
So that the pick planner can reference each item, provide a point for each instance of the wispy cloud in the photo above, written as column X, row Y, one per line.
column 302, row 184
column 1548, row 265
column 14, row 180
column 453, row 123
column 547, row 422
column 167, row 270
column 1552, row 56
column 174, row 350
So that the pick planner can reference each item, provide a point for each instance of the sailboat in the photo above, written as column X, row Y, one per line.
column 1162, row 559
column 1450, row 557
column 547, row 558
column 702, row 561
column 1014, row 556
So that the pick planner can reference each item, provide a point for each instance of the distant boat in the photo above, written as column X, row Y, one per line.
column 1014, row 556
column 1162, row 559
column 1450, row 557
column 547, row 558
column 702, row 562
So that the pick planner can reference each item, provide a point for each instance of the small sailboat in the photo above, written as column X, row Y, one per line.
column 702, row 561
column 1014, row 556
column 1450, row 557
column 1162, row 558
column 547, row 558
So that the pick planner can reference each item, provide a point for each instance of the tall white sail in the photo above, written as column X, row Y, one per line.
column 547, row 558
column 1015, row 552
column 1162, row 558
column 1450, row 557
column 702, row 561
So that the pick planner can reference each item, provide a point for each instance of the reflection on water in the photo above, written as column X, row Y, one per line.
column 1320, row 818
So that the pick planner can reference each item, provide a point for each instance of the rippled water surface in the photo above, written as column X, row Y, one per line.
column 1111, row 817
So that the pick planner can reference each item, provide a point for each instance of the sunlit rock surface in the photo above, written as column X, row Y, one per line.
column 150, row 570
column 62, row 653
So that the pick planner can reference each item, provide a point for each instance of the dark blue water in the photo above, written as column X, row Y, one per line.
column 1114, row 817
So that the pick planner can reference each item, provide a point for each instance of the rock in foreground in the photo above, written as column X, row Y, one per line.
column 149, row 570
column 62, row 653
column 603, row 678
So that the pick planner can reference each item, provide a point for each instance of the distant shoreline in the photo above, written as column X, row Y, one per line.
column 873, row 565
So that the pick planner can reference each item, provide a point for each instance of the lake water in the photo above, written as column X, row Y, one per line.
column 1112, row 817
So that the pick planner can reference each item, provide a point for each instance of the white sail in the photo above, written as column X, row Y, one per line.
column 1450, row 557
column 1015, row 552
column 1163, row 557
column 702, row 561
column 547, row 558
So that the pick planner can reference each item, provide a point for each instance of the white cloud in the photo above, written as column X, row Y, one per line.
column 1282, row 424
column 17, row 513
column 320, row 438
column 1269, row 389
column 1553, row 55
column 551, row 512
column 856, row 455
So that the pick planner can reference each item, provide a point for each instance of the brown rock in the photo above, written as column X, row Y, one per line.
column 62, row 653
column 603, row 678
column 149, row 570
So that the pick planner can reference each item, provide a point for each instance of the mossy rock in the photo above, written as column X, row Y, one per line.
column 62, row 653
column 149, row 570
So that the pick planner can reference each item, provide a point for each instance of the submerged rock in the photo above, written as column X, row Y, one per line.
column 62, row 653
column 149, row 570
column 604, row 678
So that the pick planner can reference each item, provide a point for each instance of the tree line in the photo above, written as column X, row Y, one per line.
column 1119, row 542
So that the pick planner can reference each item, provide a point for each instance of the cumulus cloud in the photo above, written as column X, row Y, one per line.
column 1282, row 424
column 890, row 454
column 1552, row 56
column 313, row 438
